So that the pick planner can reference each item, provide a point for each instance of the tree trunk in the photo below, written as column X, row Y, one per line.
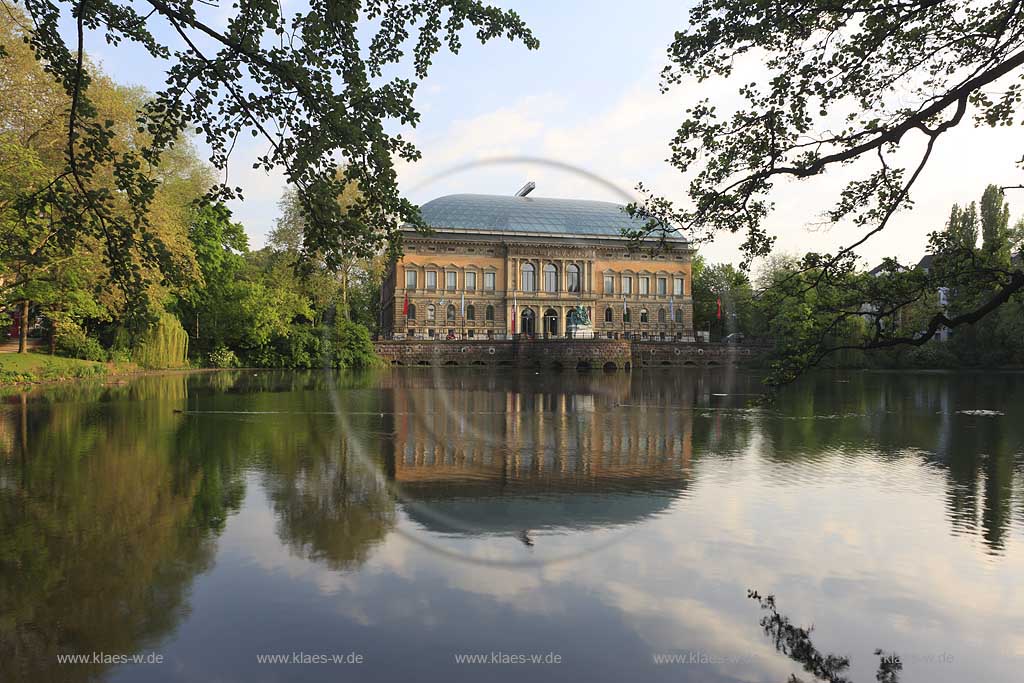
column 23, row 328
column 344, row 293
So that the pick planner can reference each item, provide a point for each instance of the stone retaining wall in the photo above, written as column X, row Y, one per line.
column 610, row 354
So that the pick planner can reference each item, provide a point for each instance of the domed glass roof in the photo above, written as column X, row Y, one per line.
column 528, row 215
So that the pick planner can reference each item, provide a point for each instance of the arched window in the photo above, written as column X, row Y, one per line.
column 573, row 271
column 450, row 313
column 471, row 312
column 661, row 315
column 431, row 312
column 679, row 316
column 489, row 314
column 608, row 314
column 644, row 315
column 626, row 316
column 528, row 283
column 550, row 278
column 411, row 313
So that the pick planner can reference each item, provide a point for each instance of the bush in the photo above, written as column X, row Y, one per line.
column 344, row 344
column 73, row 342
column 222, row 357
column 55, row 371
column 353, row 347
column 120, row 356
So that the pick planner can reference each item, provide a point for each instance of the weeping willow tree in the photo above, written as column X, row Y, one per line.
column 164, row 345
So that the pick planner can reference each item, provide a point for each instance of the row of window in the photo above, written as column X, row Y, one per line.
column 644, row 282
column 451, row 280
column 528, row 281
column 450, row 314
column 645, row 316
column 410, row 314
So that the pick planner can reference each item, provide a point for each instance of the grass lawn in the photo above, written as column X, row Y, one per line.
column 42, row 367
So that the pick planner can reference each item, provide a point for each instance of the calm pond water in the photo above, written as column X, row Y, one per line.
column 411, row 518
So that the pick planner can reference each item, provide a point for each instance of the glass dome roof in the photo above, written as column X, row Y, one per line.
column 528, row 215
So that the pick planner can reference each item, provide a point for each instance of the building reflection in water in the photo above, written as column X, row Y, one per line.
column 475, row 454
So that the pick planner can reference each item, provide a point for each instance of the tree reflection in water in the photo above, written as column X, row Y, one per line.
column 795, row 642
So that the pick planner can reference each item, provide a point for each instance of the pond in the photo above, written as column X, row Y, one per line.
column 455, row 525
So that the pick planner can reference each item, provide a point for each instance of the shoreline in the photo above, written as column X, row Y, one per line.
column 38, row 369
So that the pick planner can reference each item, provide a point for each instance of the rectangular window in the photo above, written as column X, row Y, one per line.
column 470, row 281
column 627, row 284
column 489, row 281
column 662, row 286
column 431, row 279
column 410, row 279
column 645, row 285
column 609, row 284
column 451, row 279
column 677, row 287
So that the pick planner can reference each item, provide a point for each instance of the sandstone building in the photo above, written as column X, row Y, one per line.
column 498, row 267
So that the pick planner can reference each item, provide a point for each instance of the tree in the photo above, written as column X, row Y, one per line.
column 963, row 226
column 67, row 278
column 995, row 225
column 826, row 102
column 306, row 83
column 726, row 283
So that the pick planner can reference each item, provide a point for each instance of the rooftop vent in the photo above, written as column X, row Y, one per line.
column 526, row 189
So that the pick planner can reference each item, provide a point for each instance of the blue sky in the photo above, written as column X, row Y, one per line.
column 589, row 98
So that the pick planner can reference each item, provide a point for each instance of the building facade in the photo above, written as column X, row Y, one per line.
column 494, row 267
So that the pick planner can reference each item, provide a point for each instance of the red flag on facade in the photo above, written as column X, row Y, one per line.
column 719, row 308
column 405, row 305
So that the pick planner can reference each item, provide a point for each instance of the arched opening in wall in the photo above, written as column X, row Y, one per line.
column 666, row 362
column 528, row 278
column 627, row 366
column 583, row 365
column 478, row 362
column 610, row 367
column 505, row 363
column 550, row 278
column 551, row 323
column 572, row 272
column 423, row 362
column 689, row 364
column 451, row 362
column 713, row 364
column 528, row 325
column 397, row 362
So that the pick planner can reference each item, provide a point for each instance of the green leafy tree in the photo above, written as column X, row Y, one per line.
column 963, row 225
column 309, row 83
column 826, row 101
column 725, row 282
column 995, row 225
